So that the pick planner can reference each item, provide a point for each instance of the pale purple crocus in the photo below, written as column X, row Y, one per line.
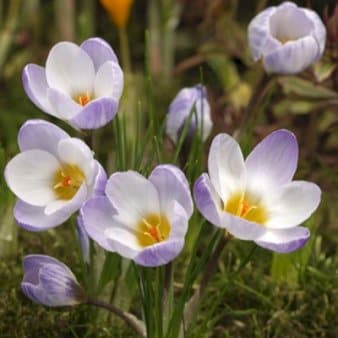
column 49, row 282
column 52, row 176
column 256, row 199
column 81, row 85
column 286, row 38
column 141, row 219
column 181, row 109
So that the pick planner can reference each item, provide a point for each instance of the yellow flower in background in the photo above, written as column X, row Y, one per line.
column 118, row 10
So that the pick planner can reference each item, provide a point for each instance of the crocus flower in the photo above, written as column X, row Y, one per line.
column 118, row 10
column 79, row 84
column 287, row 38
column 256, row 199
column 141, row 219
column 181, row 108
column 52, row 176
column 49, row 282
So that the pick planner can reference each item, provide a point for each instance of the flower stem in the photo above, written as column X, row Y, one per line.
column 209, row 271
column 127, row 317
column 124, row 49
column 261, row 89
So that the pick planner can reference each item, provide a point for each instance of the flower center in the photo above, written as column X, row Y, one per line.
column 242, row 205
column 152, row 229
column 67, row 181
column 83, row 99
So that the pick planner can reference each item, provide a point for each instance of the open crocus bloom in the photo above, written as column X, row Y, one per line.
column 287, row 38
column 80, row 84
column 141, row 219
column 256, row 199
column 180, row 109
column 49, row 282
column 52, row 176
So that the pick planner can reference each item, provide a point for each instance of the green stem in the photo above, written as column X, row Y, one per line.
column 124, row 49
column 127, row 317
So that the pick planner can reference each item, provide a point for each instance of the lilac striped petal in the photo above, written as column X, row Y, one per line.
column 178, row 220
column 159, row 254
column 35, row 85
column 95, row 114
column 100, row 181
column 83, row 240
column 39, row 134
column 34, row 218
column 293, row 57
column 292, row 204
column 273, row 161
column 172, row 185
column 99, row 51
column 208, row 202
column 97, row 216
column 285, row 240
column 49, row 282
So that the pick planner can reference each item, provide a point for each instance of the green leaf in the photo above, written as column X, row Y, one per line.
column 306, row 89
column 323, row 70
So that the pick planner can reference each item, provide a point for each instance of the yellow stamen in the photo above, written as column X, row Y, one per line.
column 242, row 205
column 152, row 229
column 67, row 181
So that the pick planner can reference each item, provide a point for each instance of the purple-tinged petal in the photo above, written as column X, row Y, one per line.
column 109, row 81
column 97, row 216
column 39, row 134
column 133, row 197
column 286, row 240
column 99, row 51
column 95, row 114
column 34, row 218
column 49, row 282
column 226, row 166
column 171, row 185
column 273, row 161
column 159, row 254
column 178, row 220
column 292, row 57
column 292, row 204
column 83, row 240
column 62, row 104
column 207, row 200
column 100, row 181
column 35, row 85
column 69, row 69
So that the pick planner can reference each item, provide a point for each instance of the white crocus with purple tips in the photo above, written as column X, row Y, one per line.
column 256, row 199
column 141, row 219
column 49, row 282
column 52, row 176
column 181, row 108
column 287, row 38
column 79, row 84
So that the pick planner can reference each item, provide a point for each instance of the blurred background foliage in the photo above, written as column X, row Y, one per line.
column 164, row 45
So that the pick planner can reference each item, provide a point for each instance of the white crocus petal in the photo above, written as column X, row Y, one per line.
column 226, row 166
column 64, row 106
column 272, row 162
column 133, row 197
column 30, row 176
column 69, row 69
column 109, row 81
column 292, row 204
column 204, row 118
column 69, row 206
column 293, row 57
column 124, row 241
column 75, row 152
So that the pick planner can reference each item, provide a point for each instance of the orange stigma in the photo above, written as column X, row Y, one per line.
column 83, row 99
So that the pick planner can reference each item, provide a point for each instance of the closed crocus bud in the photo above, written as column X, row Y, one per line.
column 286, row 38
column 118, row 10
column 81, row 85
column 181, row 108
column 49, row 282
